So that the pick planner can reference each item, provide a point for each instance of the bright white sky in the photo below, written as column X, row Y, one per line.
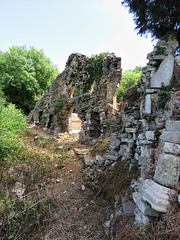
column 62, row 27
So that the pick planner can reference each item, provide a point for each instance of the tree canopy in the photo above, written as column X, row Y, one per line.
column 129, row 79
column 155, row 16
column 24, row 75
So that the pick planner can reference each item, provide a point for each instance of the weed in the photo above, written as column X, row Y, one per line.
column 20, row 213
column 163, row 98
column 160, row 51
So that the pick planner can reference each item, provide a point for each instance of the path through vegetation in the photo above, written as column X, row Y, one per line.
column 77, row 213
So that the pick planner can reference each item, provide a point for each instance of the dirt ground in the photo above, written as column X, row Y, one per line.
column 78, row 213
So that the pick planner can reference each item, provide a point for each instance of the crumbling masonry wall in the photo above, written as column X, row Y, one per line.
column 95, row 103
column 147, row 132
column 149, row 135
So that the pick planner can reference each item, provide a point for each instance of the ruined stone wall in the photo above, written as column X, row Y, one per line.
column 149, row 135
column 74, row 91
column 147, row 132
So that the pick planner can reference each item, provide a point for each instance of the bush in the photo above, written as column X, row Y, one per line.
column 25, row 75
column 12, row 124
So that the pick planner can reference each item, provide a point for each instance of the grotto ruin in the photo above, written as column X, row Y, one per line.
column 148, row 123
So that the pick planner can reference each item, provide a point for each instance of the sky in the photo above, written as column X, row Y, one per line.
column 62, row 27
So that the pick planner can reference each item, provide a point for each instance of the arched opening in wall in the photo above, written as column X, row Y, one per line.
column 40, row 124
column 50, row 121
column 74, row 123
column 115, row 100
column 93, row 127
column 71, row 92
column 83, row 88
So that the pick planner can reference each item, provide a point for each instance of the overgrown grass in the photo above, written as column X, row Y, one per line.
column 21, row 216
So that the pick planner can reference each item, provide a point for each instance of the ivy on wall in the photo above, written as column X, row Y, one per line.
column 163, row 98
column 95, row 71
column 95, row 68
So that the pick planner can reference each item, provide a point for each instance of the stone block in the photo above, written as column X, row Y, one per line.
column 148, row 104
column 156, row 195
column 159, row 57
column 99, row 160
column 170, row 136
column 88, row 161
column 128, row 207
column 122, row 149
column 140, row 218
column 127, row 140
column 141, row 136
column 172, row 148
column 145, row 124
column 173, row 126
column 128, row 153
column 114, row 143
column 131, row 130
column 167, row 170
column 123, row 135
column 164, row 73
column 143, row 206
column 112, row 158
column 150, row 135
column 150, row 91
column 144, row 142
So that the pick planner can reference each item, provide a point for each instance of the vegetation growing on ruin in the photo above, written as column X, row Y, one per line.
column 164, row 97
column 160, row 51
column 95, row 73
column 95, row 69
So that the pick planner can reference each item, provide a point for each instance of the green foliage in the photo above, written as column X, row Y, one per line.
column 163, row 98
column 24, row 75
column 160, row 50
column 95, row 69
column 19, row 213
column 12, row 124
column 155, row 17
column 77, row 92
column 129, row 79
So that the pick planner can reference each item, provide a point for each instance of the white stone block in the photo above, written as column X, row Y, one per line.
column 164, row 73
column 173, row 126
column 114, row 143
column 131, row 130
column 148, row 104
column 150, row 135
column 143, row 206
column 167, row 170
column 112, row 158
column 140, row 218
column 127, row 140
column 156, row 195
column 172, row 148
column 170, row 136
